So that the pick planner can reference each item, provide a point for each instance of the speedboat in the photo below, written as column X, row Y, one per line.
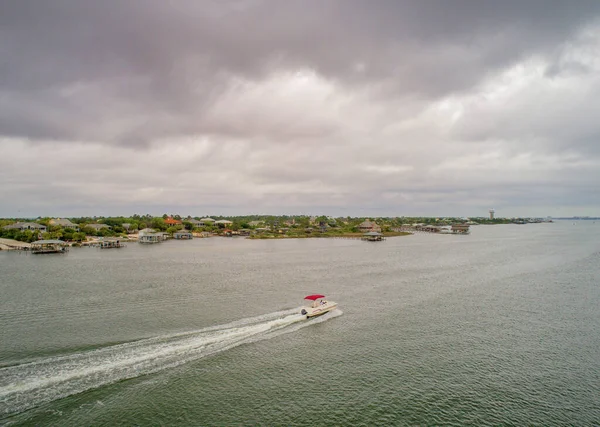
column 318, row 306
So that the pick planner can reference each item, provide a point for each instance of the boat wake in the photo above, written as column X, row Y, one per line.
column 28, row 385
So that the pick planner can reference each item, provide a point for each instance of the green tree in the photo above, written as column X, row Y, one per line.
column 159, row 224
column 79, row 236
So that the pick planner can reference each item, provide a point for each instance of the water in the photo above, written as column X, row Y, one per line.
column 499, row 327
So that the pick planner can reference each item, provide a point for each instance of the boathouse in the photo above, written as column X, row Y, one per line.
column 373, row 236
column 460, row 229
column 111, row 243
column 49, row 247
column 182, row 235
column 150, row 238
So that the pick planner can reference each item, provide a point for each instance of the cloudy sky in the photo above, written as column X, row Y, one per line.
column 337, row 107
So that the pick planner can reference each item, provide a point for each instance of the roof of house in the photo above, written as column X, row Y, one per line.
column 207, row 220
column 24, row 224
column 223, row 221
column 171, row 221
column 62, row 222
column 367, row 224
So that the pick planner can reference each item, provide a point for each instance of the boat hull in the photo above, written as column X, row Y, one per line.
column 318, row 311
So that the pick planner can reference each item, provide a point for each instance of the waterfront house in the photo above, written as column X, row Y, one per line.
column 206, row 221
column 172, row 222
column 368, row 226
column 23, row 226
column 195, row 223
column 64, row 223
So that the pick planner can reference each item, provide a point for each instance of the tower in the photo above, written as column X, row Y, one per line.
column 492, row 212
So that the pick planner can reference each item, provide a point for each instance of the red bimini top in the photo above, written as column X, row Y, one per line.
column 314, row 297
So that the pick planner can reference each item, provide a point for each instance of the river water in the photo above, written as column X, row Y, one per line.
column 498, row 327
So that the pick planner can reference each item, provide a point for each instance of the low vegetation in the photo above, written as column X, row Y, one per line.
column 256, row 226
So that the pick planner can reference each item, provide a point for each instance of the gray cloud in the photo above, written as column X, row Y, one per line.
column 83, row 64
column 294, row 104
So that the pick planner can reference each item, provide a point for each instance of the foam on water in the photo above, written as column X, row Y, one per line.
column 31, row 384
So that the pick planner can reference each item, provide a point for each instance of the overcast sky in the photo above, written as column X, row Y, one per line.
column 336, row 107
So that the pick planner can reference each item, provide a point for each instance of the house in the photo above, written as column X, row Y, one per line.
column 195, row 223
column 172, row 222
column 368, row 226
column 65, row 223
column 22, row 226
column 255, row 223
column 223, row 223
column 207, row 221
column 98, row 227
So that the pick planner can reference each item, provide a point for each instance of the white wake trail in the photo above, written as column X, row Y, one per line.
column 31, row 384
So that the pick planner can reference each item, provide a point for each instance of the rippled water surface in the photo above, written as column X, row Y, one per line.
column 499, row 327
